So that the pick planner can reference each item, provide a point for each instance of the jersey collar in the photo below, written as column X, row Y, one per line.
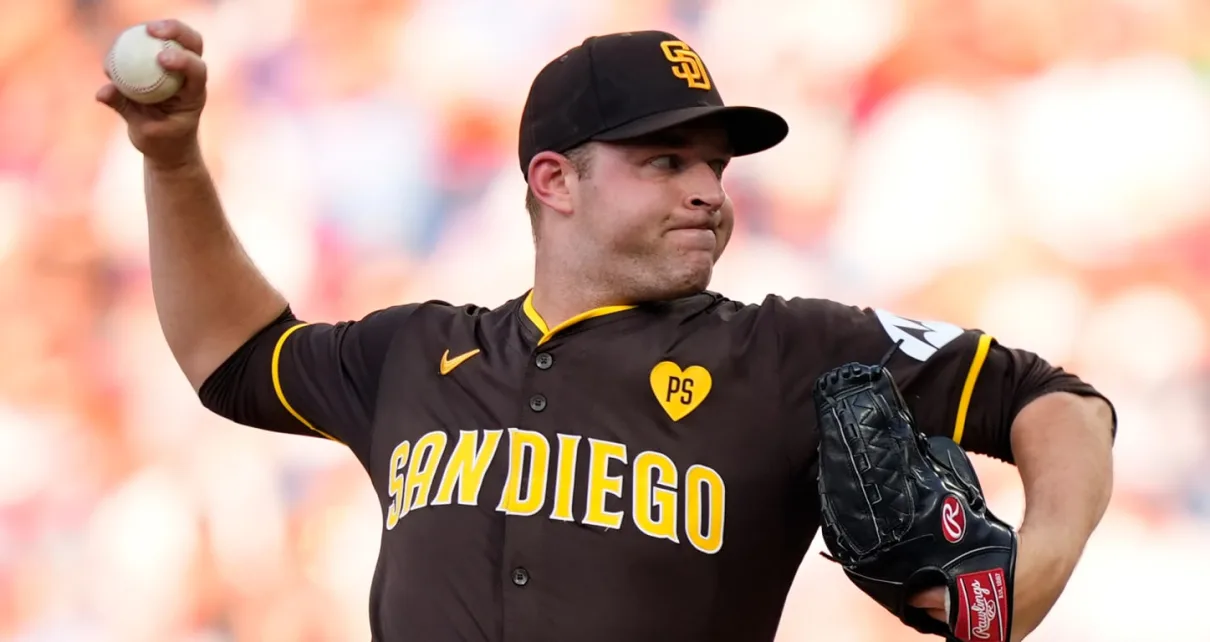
column 544, row 333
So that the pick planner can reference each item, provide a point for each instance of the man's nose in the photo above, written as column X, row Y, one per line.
column 706, row 189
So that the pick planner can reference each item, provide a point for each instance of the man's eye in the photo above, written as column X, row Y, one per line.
column 667, row 161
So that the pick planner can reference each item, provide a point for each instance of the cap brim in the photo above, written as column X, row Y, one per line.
column 749, row 129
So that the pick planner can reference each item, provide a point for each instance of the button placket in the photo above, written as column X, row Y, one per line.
column 543, row 361
column 519, row 575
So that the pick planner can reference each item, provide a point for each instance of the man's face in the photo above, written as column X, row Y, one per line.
column 654, row 213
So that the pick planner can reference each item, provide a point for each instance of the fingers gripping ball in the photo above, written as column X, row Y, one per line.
column 135, row 71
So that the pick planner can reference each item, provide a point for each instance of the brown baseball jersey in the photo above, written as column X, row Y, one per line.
column 640, row 473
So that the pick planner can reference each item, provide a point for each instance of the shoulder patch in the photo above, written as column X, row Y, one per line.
column 921, row 339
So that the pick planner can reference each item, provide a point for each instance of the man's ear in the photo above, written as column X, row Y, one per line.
column 551, row 179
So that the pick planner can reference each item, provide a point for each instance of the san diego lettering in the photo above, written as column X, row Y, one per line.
column 417, row 479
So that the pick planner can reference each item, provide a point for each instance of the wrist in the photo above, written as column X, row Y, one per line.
column 1046, row 560
column 185, row 158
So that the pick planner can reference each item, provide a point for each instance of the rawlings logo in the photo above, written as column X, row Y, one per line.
column 982, row 606
column 983, row 609
column 953, row 520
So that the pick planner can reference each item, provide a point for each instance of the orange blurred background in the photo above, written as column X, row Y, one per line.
column 1039, row 169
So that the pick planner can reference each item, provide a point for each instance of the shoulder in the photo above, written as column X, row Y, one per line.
column 381, row 326
column 438, row 319
column 706, row 309
column 441, row 310
column 824, row 327
column 800, row 320
column 821, row 314
column 714, row 307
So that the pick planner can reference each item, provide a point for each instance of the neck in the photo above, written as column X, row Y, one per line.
column 561, row 291
column 557, row 300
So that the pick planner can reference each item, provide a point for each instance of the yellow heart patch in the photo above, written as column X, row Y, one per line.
column 679, row 391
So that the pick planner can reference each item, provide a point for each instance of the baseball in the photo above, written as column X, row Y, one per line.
column 134, row 70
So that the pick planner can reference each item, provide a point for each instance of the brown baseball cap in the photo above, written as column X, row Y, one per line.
column 624, row 85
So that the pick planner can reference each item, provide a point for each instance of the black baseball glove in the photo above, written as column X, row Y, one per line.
column 903, row 512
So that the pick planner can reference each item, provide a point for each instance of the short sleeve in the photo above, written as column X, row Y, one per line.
column 958, row 382
column 317, row 379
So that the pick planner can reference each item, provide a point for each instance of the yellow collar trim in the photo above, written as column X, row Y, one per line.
column 548, row 332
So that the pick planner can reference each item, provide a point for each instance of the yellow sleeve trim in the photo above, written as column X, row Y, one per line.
column 985, row 343
column 281, row 396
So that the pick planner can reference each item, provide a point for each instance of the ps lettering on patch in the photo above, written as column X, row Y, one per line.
column 680, row 391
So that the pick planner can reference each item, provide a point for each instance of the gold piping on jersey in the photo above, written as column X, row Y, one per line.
column 985, row 342
column 281, row 396
column 547, row 333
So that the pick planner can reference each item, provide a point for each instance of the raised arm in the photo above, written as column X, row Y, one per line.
column 209, row 296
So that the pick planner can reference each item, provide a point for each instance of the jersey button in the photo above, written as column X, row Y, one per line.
column 544, row 361
column 520, row 576
column 537, row 403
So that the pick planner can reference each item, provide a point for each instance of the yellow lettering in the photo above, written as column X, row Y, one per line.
column 399, row 459
column 511, row 501
column 657, row 485
column 565, row 479
column 696, row 477
column 421, row 469
column 655, row 492
column 601, row 483
column 465, row 469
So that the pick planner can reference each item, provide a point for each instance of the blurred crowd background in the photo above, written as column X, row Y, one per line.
column 1039, row 169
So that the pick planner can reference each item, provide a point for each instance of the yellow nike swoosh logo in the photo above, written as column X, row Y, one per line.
column 448, row 364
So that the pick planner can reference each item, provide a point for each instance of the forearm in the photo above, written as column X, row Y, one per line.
column 1062, row 444
column 209, row 296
